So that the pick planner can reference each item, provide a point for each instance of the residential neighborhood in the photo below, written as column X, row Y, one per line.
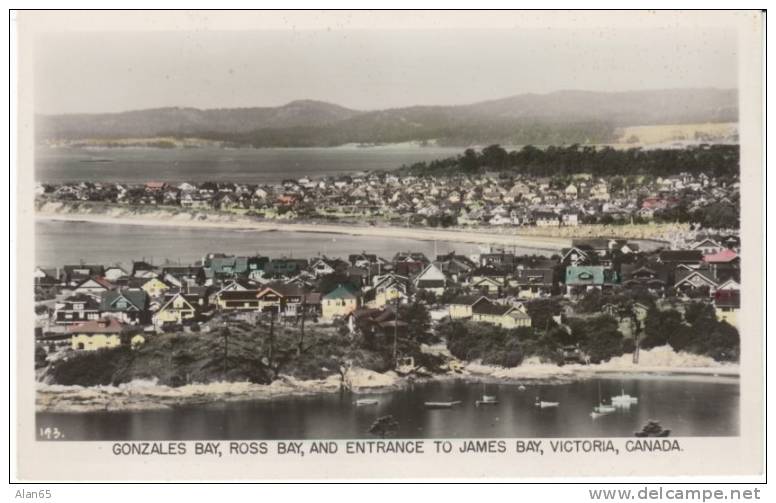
column 85, row 307
column 489, row 200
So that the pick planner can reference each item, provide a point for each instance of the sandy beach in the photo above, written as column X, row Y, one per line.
column 162, row 218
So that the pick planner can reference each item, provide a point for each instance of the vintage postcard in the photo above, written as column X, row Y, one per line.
column 388, row 245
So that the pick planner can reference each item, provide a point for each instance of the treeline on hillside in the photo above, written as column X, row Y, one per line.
column 712, row 160
column 369, row 130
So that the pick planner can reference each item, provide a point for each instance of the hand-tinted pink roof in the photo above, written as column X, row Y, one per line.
column 721, row 256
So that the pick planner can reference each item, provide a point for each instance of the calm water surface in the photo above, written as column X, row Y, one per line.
column 688, row 405
column 60, row 243
column 248, row 165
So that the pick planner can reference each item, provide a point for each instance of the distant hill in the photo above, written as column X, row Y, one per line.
column 553, row 118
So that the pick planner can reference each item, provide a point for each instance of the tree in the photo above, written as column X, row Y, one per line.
column 658, row 327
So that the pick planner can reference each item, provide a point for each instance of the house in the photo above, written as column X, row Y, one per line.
column 577, row 255
column 143, row 269
column 534, row 282
column 570, row 218
column 653, row 276
column 178, row 308
column 707, row 246
column 388, row 289
column 238, row 299
column 127, row 305
column 727, row 302
column 114, row 273
column 581, row 279
column 286, row 300
column 77, row 274
column 696, row 283
column 672, row 258
column 375, row 322
column 76, row 309
column 324, row 266
column 431, row 279
column 501, row 261
column 96, row 334
column 340, row 302
column 155, row 287
column 285, row 266
column 505, row 316
column 546, row 219
column 93, row 286
column 462, row 306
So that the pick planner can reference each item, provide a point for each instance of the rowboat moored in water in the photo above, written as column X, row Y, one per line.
column 544, row 405
column 366, row 401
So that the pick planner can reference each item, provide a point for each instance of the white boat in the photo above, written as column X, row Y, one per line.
column 543, row 405
column 601, row 408
column 624, row 400
column 366, row 401
column 486, row 399
column 521, row 388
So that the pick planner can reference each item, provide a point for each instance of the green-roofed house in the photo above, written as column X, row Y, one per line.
column 340, row 302
column 583, row 278
column 127, row 305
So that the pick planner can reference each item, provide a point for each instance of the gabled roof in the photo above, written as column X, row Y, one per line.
column 704, row 274
column 102, row 282
column 172, row 298
column 136, row 299
column 722, row 256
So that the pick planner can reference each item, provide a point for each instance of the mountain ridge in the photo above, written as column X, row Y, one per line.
column 561, row 116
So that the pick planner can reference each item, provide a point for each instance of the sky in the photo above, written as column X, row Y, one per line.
column 366, row 69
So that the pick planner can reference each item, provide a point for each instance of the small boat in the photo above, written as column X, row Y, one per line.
column 441, row 405
column 486, row 399
column 366, row 401
column 652, row 429
column 544, row 405
column 521, row 388
column 601, row 408
column 624, row 400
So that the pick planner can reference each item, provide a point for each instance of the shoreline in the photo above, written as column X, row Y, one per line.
column 139, row 396
column 160, row 219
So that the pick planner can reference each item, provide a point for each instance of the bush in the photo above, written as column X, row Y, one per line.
column 493, row 345
column 91, row 368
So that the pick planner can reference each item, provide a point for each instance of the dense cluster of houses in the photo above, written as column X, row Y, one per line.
column 482, row 200
column 91, row 306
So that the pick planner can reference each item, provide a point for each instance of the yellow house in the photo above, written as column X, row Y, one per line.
column 96, row 334
column 461, row 307
column 340, row 302
column 176, row 310
column 155, row 287
column 502, row 316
